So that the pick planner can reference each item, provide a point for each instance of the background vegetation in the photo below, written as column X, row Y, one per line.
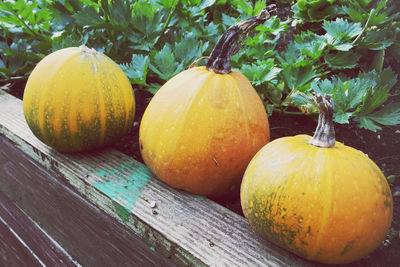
column 349, row 49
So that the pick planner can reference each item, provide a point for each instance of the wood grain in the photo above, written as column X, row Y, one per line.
column 23, row 243
column 89, row 235
column 187, row 228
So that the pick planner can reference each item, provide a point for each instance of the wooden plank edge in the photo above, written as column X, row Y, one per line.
column 86, row 232
column 188, row 249
column 29, row 243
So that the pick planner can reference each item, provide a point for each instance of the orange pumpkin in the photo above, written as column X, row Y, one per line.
column 203, row 126
column 78, row 99
column 316, row 197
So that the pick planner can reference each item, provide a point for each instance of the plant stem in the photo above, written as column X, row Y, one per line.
column 231, row 41
column 363, row 30
column 16, row 78
column 171, row 12
column 29, row 28
column 283, row 111
column 324, row 135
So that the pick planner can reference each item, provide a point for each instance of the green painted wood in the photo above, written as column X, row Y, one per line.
column 63, row 219
column 189, row 229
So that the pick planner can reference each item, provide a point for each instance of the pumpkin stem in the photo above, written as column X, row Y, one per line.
column 88, row 50
column 232, row 40
column 324, row 135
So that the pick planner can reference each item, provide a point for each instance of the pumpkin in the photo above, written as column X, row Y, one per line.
column 78, row 99
column 316, row 197
column 203, row 126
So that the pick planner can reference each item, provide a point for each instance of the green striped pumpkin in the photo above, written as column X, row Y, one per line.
column 78, row 99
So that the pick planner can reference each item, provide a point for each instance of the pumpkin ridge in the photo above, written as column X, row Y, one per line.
column 328, row 195
column 48, row 89
column 102, row 113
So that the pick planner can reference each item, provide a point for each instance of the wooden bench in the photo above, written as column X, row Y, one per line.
column 106, row 208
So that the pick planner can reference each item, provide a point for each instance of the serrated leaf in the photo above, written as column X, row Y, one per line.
column 322, row 87
column 339, row 33
column 354, row 14
column 206, row 3
column 292, row 56
column 388, row 115
column 342, row 117
column 310, row 44
column 136, row 70
column 165, row 65
column 243, row 6
column 366, row 123
column 377, row 40
column 146, row 26
column 119, row 11
column 301, row 100
column 153, row 88
column 342, row 60
column 342, row 28
column 228, row 20
column 87, row 16
column 187, row 49
column 347, row 94
column 299, row 78
column 258, row 6
column 260, row 73
column 378, row 90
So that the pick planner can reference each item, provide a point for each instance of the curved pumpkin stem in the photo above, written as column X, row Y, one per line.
column 231, row 41
column 324, row 135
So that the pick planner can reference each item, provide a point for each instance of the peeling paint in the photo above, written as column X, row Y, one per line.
column 124, row 184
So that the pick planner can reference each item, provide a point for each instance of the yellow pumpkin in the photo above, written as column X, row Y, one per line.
column 203, row 126
column 77, row 99
column 316, row 197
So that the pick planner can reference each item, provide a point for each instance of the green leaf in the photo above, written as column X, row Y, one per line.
column 206, row 3
column 354, row 14
column 120, row 12
column 258, row 6
column 87, row 16
column 342, row 60
column 342, row 117
column 153, row 88
column 301, row 100
column 146, row 26
column 339, row 33
column 136, row 70
column 377, row 40
column 292, row 56
column 347, row 94
column 188, row 49
column 323, row 87
column 243, row 6
column 366, row 123
column 299, row 78
column 388, row 115
column 165, row 65
column 310, row 44
column 378, row 90
column 260, row 72
column 168, row 4
column 228, row 20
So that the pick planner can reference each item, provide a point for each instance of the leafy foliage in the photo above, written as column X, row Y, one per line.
column 343, row 48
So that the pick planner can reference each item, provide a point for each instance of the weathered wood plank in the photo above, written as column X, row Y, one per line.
column 23, row 243
column 89, row 235
column 189, row 229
